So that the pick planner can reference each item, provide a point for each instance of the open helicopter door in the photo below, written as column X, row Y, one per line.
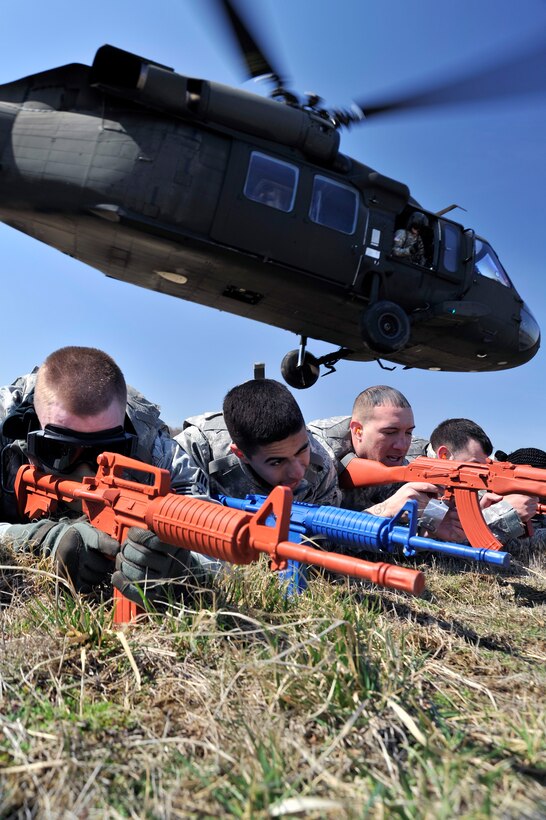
column 291, row 212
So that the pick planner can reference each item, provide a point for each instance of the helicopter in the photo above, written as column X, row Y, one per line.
column 246, row 204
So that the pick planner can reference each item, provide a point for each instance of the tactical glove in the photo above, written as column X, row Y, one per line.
column 82, row 554
column 148, row 567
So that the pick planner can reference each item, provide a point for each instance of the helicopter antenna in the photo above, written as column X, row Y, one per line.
column 450, row 208
column 384, row 366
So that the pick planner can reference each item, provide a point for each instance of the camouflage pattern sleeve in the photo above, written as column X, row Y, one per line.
column 187, row 476
column 400, row 246
column 13, row 395
column 326, row 491
column 525, row 547
column 196, row 453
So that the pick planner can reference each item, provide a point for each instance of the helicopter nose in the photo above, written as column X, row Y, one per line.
column 529, row 331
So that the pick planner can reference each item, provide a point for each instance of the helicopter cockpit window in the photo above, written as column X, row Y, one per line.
column 486, row 262
column 271, row 182
column 333, row 205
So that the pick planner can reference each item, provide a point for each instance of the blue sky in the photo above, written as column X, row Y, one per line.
column 488, row 158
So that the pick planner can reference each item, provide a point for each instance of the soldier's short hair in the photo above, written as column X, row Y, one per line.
column 379, row 396
column 85, row 379
column 259, row 412
column 456, row 433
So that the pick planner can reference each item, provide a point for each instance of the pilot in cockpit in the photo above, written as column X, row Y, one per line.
column 408, row 242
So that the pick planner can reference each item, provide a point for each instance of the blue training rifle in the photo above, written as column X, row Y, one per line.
column 364, row 532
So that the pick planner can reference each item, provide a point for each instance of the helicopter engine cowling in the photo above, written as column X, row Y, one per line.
column 157, row 86
column 135, row 78
column 262, row 117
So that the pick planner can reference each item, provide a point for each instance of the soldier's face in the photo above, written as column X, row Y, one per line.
column 281, row 462
column 385, row 435
column 56, row 413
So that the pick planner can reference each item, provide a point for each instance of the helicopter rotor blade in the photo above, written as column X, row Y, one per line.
column 251, row 49
column 523, row 73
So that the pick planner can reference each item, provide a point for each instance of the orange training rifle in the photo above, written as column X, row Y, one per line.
column 461, row 480
column 114, row 503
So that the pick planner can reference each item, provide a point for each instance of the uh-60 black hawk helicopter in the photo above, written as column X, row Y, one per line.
column 246, row 204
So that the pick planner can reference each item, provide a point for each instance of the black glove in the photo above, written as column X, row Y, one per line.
column 148, row 567
column 82, row 554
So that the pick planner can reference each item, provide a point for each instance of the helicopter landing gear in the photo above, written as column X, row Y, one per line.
column 299, row 368
column 385, row 327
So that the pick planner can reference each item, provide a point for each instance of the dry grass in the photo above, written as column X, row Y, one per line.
column 347, row 702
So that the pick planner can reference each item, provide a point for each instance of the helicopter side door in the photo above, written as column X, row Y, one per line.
column 290, row 212
column 450, row 250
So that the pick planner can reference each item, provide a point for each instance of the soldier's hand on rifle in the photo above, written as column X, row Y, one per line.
column 526, row 506
column 420, row 491
column 148, row 567
column 451, row 528
column 82, row 554
column 488, row 498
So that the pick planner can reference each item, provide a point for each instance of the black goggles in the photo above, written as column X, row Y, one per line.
column 61, row 450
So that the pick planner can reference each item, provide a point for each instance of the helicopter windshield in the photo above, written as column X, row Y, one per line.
column 529, row 331
column 487, row 263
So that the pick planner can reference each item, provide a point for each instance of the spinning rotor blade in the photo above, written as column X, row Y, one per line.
column 252, row 51
column 523, row 73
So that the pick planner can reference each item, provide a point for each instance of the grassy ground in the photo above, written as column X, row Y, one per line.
column 348, row 702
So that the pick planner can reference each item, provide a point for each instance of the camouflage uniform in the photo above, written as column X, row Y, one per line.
column 17, row 414
column 527, row 545
column 217, row 470
column 335, row 436
column 420, row 447
column 409, row 246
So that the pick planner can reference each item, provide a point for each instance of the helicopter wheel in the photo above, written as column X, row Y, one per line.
column 385, row 327
column 300, row 376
